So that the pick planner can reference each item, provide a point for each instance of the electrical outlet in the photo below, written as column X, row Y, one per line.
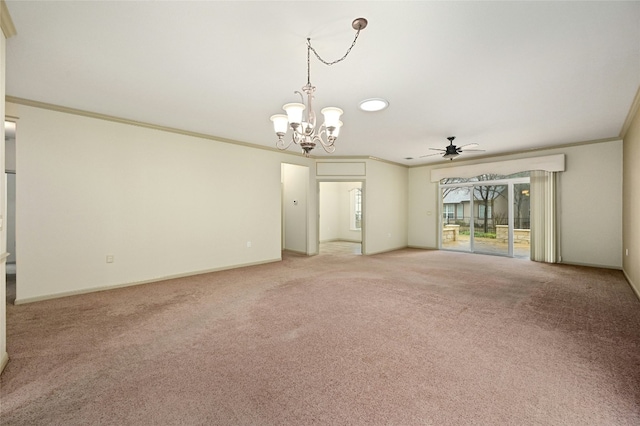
column 248, row 244
column 626, row 252
column 109, row 258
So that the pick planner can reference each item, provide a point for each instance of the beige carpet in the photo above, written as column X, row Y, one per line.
column 407, row 337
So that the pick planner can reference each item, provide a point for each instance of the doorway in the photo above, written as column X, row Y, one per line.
column 340, row 217
column 10, row 223
column 10, row 203
column 487, row 215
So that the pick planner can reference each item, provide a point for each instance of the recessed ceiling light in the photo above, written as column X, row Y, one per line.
column 373, row 104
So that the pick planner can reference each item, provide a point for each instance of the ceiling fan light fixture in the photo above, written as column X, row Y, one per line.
column 373, row 104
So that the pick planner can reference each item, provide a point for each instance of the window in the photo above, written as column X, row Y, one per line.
column 448, row 213
column 460, row 211
column 356, row 209
column 481, row 211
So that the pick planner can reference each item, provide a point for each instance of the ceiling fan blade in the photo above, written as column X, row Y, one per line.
column 469, row 144
column 430, row 155
column 438, row 149
column 473, row 150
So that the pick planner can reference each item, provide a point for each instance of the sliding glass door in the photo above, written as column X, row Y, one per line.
column 486, row 214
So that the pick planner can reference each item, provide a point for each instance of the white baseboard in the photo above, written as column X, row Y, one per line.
column 635, row 288
column 294, row 251
column 591, row 265
column 22, row 301
column 385, row 251
column 4, row 361
column 422, row 247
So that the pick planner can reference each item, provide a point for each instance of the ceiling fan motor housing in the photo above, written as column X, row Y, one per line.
column 452, row 150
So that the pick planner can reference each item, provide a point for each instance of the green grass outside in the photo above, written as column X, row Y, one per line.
column 478, row 234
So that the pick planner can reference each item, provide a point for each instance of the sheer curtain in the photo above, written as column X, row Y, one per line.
column 543, row 216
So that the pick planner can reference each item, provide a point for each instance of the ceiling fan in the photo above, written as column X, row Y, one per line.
column 451, row 151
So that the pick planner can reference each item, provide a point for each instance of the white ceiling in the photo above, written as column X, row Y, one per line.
column 510, row 76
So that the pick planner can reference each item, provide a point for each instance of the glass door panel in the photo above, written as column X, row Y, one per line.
column 521, row 221
column 491, row 219
column 456, row 218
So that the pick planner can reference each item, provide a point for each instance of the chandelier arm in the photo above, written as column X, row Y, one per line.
column 281, row 145
column 300, row 129
column 323, row 131
column 328, row 147
column 297, row 136
column 329, row 144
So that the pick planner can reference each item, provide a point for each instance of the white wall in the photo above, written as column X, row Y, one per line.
column 295, row 181
column 631, row 204
column 163, row 204
column 385, row 207
column 329, row 211
column 423, row 209
column 589, row 196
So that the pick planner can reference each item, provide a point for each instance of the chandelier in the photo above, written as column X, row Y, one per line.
column 301, row 117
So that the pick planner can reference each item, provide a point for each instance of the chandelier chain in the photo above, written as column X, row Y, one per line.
column 337, row 60
column 308, row 62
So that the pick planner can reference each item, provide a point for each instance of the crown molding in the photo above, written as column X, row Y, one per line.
column 83, row 113
column 6, row 23
column 635, row 105
column 74, row 111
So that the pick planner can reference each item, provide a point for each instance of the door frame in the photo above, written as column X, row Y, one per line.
column 363, row 184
